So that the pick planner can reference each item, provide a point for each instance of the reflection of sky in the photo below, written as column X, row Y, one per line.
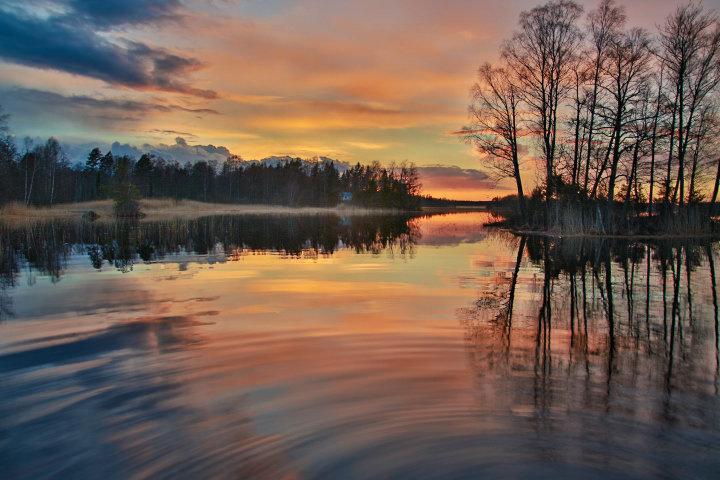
column 346, row 366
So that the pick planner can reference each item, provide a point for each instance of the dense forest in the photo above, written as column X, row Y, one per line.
column 42, row 175
column 621, row 123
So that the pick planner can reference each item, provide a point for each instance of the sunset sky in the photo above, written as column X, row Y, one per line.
column 357, row 81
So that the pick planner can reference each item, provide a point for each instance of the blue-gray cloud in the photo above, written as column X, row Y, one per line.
column 30, row 106
column 104, row 13
column 69, row 41
column 78, row 102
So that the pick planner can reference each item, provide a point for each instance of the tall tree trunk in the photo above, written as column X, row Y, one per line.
column 52, row 185
column 32, row 182
column 668, row 177
column 653, row 144
column 521, row 194
column 601, row 170
column 692, row 194
column 681, row 141
column 596, row 83
column 715, row 188
column 576, row 151
column 516, row 162
column 632, row 179
column 613, row 170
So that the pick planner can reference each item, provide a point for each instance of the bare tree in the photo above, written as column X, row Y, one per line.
column 641, row 132
column 494, row 128
column 716, row 186
column 581, row 97
column 52, row 154
column 706, row 126
column 604, row 26
column 627, row 69
column 8, row 157
column 541, row 56
column 654, row 135
column 29, row 175
column 690, row 48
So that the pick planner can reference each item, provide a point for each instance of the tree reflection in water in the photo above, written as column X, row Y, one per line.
column 601, row 325
column 45, row 248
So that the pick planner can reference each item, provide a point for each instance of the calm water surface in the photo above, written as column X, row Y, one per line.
column 326, row 347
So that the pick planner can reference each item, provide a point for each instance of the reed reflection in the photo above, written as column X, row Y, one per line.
column 607, row 326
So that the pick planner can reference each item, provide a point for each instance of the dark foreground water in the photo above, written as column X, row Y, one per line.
column 326, row 347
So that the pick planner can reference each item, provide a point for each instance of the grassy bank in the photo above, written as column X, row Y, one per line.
column 595, row 219
column 158, row 209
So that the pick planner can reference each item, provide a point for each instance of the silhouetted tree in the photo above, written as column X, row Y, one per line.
column 541, row 55
column 494, row 129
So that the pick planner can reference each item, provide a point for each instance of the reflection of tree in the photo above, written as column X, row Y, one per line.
column 45, row 247
column 494, row 308
column 711, row 262
column 9, row 270
column 543, row 356
column 586, row 340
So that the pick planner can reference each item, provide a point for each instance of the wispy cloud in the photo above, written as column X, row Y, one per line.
column 369, row 145
column 172, row 132
column 52, row 99
column 95, row 113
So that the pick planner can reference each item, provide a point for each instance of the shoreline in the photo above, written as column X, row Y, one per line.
column 627, row 236
column 658, row 236
column 163, row 209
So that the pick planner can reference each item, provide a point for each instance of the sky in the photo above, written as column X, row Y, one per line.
column 354, row 80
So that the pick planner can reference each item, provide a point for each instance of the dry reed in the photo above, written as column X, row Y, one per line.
column 162, row 209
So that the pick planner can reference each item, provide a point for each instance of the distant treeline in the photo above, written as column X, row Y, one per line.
column 434, row 202
column 42, row 175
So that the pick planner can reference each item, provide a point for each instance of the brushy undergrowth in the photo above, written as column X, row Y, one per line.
column 595, row 218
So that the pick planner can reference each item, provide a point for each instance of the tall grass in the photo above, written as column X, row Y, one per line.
column 572, row 217
column 159, row 209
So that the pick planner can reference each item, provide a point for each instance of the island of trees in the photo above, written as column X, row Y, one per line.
column 623, row 123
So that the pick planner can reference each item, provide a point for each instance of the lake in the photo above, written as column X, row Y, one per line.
column 354, row 347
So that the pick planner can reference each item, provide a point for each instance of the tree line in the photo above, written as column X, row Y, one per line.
column 622, row 121
column 40, row 174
